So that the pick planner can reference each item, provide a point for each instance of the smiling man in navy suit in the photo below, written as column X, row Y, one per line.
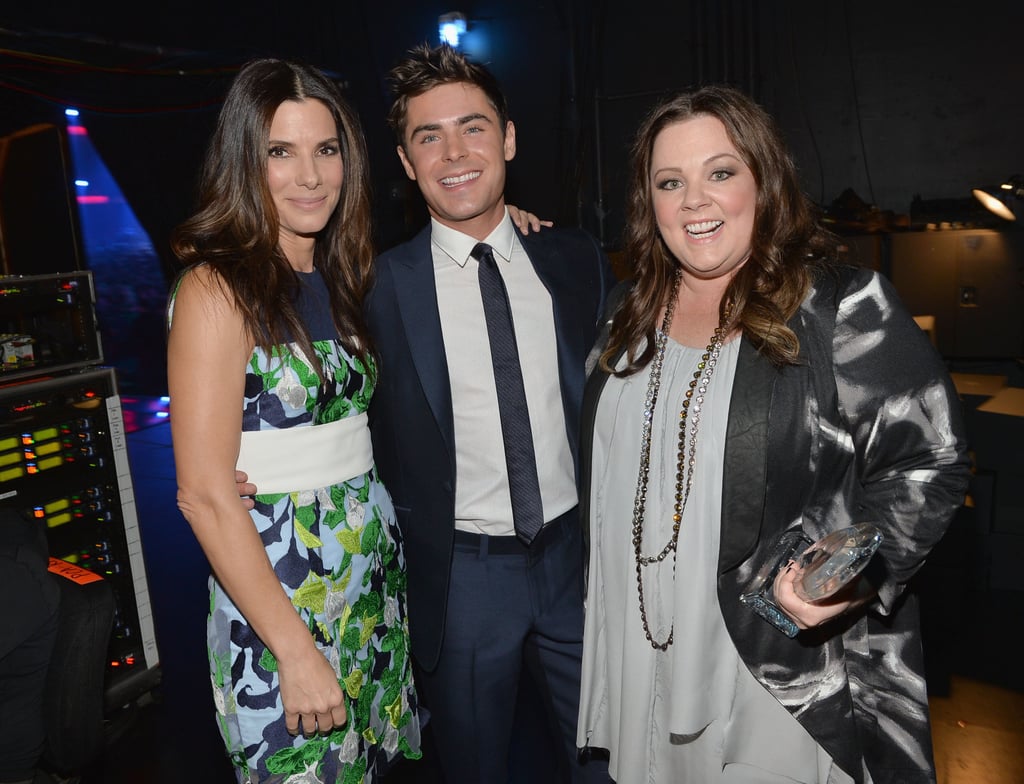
column 483, row 605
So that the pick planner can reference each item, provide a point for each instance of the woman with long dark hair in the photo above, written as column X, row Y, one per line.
column 271, row 370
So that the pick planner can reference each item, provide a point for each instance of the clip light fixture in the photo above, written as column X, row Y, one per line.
column 451, row 27
column 1002, row 200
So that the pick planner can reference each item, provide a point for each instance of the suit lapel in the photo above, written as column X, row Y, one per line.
column 557, row 277
column 416, row 293
column 746, row 457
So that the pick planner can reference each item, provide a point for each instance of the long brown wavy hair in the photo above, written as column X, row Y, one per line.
column 787, row 237
column 235, row 227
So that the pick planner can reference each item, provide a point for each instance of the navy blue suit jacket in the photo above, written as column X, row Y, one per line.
column 411, row 417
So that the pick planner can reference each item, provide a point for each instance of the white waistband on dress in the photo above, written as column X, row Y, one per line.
column 305, row 458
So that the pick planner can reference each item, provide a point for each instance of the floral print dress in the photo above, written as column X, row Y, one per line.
column 337, row 552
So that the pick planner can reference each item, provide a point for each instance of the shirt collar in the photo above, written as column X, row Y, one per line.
column 458, row 246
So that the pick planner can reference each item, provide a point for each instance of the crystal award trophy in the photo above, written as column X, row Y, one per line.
column 834, row 560
column 826, row 567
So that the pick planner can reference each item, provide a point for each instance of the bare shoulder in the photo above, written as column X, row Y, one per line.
column 202, row 286
column 201, row 281
column 202, row 300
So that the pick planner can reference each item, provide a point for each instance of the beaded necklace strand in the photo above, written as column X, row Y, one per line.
column 687, row 453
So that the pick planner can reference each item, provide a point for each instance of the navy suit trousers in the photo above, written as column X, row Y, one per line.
column 510, row 609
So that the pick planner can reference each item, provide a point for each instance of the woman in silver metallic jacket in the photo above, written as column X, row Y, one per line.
column 752, row 388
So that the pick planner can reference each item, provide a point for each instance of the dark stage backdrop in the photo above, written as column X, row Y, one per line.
column 883, row 104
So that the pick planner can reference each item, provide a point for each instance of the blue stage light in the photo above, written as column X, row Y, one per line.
column 451, row 27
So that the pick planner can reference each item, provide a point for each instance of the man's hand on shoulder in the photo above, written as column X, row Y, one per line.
column 525, row 221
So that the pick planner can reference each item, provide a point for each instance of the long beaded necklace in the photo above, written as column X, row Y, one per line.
column 687, row 452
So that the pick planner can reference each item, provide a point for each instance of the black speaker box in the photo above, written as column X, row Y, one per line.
column 39, row 229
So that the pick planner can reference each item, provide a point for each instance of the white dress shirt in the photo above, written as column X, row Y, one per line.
column 482, row 502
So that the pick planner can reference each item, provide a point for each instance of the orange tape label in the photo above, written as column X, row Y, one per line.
column 71, row 572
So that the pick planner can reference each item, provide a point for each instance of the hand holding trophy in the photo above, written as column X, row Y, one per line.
column 825, row 567
column 830, row 563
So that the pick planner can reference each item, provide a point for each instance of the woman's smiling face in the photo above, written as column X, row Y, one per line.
column 704, row 197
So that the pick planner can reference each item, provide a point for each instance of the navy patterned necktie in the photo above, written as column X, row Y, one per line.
column 521, row 464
